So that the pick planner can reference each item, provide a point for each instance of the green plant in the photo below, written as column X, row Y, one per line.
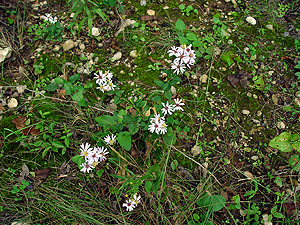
column 91, row 8
column 38, row 69
column 54, row 32
column 187, row 10
column 71, row 87
column 10, row 20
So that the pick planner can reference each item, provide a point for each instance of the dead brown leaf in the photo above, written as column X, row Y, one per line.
column 19, row 122
column 156, row 60
column 1, row 141
column 240, row 78
column 132, row 111
column 148, row 150
column 61, row 93
column 147, row 18
column 42, row 174
column 134, row 152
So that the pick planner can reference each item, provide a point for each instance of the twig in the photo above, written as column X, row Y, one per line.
column 196, row 163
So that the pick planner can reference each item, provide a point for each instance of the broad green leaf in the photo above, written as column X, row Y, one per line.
column 74, row 78
column 63, row 151
column 294, row 162
column 133, row 128
column 217, row 202
column 168, row 95
column 197, row 43
column 69, row 88
column 51, row 87
column 77, row 159
column 159, row 83
column 282, row 142
column 183, row 40
column 78, row 97
column 180, row 25
column 99, row 172
column 105, row 121
column 124, row 139
column 153, row 168
column 156, row 98
column 278, row 215
column 57, row 144
column 191, row 37
column 169, row 138
column 148, row 186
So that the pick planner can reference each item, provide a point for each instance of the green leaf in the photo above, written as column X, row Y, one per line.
column 57, row 144
column 59, row 80
column 105, row 120
column 168, row 95
column 282, row 142
column 148, row 186
column 51, row 87
column 166, row 86
column 277, row 215
column 191, row 37
column 77, row 159
column 99, row 172
column 69, row 88
column 294, row 162
column 170, row 138
column 180, row 25
column 278, row 181
column 63, row 151
column 133, row 128
column 197, row 43
column 78, row 97
column 217, row 202
column 156, row 99
column 216, row 20
column 298, row 65
column 124, row 139
column 159, row 83
column 183, row 40
column 74, row 78
column 101, row 14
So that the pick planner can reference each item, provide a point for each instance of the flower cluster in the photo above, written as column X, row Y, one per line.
column 92, row 156
column 185, row 56
column 104, row 80
column 49, row 18
column 130, row 204
column 158, row 123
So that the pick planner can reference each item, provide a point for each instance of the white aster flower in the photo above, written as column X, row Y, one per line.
column 93, row 156
column 189, row 58
column 100, row 77
column 178, row 67
column 154, row 127
column 174, row 51
column 85, row 149
column 110, row 86
column 163, row 128
column 167, row 109
column 129, row 204
column 86, row 167
column 101, row 152
column 136, row 199
column 178, row 103
column 110, row 140
column 102, row 87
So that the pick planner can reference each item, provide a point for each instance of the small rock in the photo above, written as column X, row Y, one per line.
column 280, row 125
column 245, row 112
column 12, row 103
column 143, row 2
column 116, row 56
column 203, row 78
column 133, row 54
column 72, row 15
column 248, row 174
column 21, row 88
column 124, row 24
column 95, row 31
column 196, row 150
column 81, row 46
column 56, row 48
column 19, row 223
column 82, row 70
column 69, row 44
column 255, row 157
column 259, row 113
column 269, row 26
column 166, row 7
column 251, row 20
column 5, row 53
column 217, row 51
column 150, row 12
column 246, row 50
